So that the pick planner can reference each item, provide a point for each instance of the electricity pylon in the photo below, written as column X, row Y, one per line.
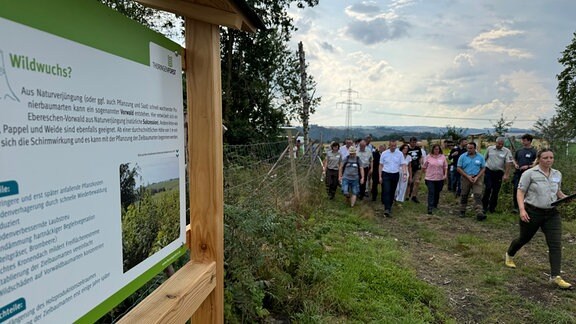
column 350, row 106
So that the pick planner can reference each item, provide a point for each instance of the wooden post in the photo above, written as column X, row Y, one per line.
column 204, row 98
column 293, row 165
column 304, row 92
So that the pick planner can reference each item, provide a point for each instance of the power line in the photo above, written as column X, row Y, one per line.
column 456, row 103
column 446, row 117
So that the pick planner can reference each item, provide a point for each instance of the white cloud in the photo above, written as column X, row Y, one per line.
column 487, row 42
column 461, row 72
column 463, row 60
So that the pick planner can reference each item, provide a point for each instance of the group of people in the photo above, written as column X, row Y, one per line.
column 362, row 167
column 398, row 171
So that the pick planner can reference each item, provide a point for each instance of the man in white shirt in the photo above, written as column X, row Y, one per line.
column 389, row 169
column 344, row 148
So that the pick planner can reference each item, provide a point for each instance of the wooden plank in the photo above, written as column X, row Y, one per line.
column 221, row 4
column 178, row 297
column 199, row 12
column 206, row 158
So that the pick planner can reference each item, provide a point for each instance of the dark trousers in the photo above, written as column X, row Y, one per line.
column 389, row 184
column 363, row 185
column 515, row 181
column 331, row 182
column 492, row 184
column 434, row 189
column 375, row 183
column 455, row 181
column 551, row 224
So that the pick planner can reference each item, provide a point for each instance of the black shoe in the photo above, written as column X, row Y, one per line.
column 429, row 211
column 414, row 199
column 462, row 214
column 387, row 213
column 481, row 217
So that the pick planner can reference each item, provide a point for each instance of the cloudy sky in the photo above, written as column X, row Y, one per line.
column 435, row 62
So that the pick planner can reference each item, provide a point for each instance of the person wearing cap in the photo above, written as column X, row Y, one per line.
column 351, row 175
column 498, row 162
column 538, row 188
column 330, row 169
column 389, row 169
column 416, row 153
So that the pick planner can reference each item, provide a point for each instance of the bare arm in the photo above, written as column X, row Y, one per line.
column 520, row 199
column 560, row 194
column 506, row 171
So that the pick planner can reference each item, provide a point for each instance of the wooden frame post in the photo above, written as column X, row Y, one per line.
column 205, row 148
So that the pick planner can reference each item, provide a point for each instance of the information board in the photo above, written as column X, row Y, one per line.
column 92, row 190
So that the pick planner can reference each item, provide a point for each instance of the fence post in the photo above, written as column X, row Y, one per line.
column 293, row 165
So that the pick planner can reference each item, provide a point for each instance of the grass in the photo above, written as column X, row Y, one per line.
column 370, row 279
column 417, row 268
column 336, row 264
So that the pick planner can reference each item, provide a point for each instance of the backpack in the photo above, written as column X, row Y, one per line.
column 346, row 162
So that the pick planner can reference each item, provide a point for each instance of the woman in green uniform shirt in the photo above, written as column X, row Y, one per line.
column 538, row 188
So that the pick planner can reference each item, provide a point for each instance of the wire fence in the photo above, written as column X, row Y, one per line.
column 262, row 175
column 276, row 173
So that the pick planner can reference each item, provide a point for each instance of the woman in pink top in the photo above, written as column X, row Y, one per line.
column 435, row 169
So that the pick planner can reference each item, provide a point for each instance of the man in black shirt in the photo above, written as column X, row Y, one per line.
column 455, row 154
column 416, row 153
column 523, row 160
column 375, row 175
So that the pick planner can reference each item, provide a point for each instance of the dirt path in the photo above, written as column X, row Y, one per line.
column 464, row 258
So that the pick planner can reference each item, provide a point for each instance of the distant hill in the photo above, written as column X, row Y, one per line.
column 165, row 185
column 339, row 132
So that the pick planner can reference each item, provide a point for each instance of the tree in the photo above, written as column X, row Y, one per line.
column 502, row 126
column 128, row 192
column 566, row 89
column 261, row 77
column 157, row 20
column 553, row 131
column 454, row 133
